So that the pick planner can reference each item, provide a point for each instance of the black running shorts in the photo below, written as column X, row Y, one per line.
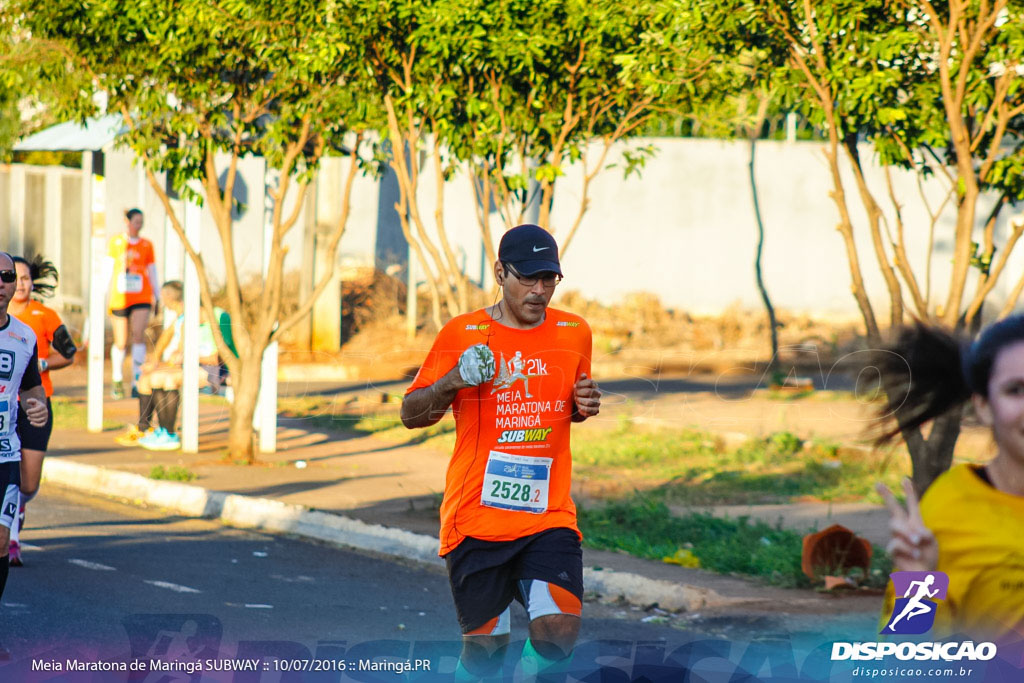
column 484, row 575
column 35, row 438
column 126, row 312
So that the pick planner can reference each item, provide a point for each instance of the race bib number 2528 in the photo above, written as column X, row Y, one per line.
column 516, row 482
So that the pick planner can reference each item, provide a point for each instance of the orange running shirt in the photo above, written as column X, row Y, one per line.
column 511, row 471
column 130, row 284
column 44, row 321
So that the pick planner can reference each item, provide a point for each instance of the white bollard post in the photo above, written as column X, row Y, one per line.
column 94, row 216
column 190, row 338
column 266, row 409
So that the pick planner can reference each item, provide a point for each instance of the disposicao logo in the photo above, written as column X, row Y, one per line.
column 914, row 614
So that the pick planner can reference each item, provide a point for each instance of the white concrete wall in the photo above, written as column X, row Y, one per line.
column 683, row 230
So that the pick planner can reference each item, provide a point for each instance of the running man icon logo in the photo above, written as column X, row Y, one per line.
column 519, row 368
column 914, row 613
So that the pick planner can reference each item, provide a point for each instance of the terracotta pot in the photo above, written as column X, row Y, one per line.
column 834, row 551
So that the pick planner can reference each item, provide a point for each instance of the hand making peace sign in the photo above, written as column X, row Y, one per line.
column 913, row 546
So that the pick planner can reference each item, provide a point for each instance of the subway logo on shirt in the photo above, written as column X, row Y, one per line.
column 524, row 435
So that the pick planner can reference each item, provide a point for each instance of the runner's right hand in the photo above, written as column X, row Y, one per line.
column 476, row 365
column 913, row 546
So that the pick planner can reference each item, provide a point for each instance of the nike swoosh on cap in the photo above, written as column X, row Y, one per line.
column 535, row 249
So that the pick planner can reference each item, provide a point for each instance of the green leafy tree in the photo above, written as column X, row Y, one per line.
column 26, row 66
column 413, row 86
column 201, row 85
column 545, row 99
column 936, row 89
column 495, row 89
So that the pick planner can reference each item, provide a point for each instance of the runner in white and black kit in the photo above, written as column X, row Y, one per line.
column 19, row 375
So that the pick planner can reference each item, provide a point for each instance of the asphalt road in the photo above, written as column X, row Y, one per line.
column 105, row 582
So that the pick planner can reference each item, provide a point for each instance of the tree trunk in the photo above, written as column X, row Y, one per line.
column 247, row 391
column 932, row 456
column 773, row 325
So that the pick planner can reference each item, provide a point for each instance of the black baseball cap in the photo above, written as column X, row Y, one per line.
column 530, row 249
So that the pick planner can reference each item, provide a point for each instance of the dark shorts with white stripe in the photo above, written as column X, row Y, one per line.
column 486, row 576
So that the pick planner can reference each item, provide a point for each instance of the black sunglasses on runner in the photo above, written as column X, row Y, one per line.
column 8, row 276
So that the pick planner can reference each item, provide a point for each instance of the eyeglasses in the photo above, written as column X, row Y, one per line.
column 550, row 280
column 8, row 276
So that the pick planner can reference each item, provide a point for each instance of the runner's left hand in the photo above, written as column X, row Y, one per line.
column 36, row 411
column 586, row 396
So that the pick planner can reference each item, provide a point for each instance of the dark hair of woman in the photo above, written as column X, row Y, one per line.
column 929, row 371
column 43, row 273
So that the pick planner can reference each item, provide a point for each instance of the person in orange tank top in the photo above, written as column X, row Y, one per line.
column 130, row 271
column 37, row 278
column 516, row 375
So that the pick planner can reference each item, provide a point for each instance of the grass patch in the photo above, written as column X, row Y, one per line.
column 695, row 468
column 678, row 466
column 324, row 414
column 172, row 473
column 389, row 426
column 644, row 527
column 68, row 414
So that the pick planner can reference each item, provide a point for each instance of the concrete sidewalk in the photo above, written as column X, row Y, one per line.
column 369, row 493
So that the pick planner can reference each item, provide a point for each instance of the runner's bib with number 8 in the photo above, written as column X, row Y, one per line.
column 516, row 482
column 19, row 370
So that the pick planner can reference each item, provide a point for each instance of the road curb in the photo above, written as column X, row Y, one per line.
column 274, row 516
column 242, row 511
column 642, row 591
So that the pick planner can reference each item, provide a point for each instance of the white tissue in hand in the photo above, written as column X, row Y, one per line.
column 476, row 365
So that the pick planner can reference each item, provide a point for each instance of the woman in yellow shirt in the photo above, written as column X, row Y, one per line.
column 970, row 522
column 131, row 273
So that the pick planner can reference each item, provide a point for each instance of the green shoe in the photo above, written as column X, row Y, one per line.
column 117, row 393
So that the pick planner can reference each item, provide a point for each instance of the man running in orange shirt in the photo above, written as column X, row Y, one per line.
column 508, row 523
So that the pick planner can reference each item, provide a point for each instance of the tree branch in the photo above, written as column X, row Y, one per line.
column 900, row 247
